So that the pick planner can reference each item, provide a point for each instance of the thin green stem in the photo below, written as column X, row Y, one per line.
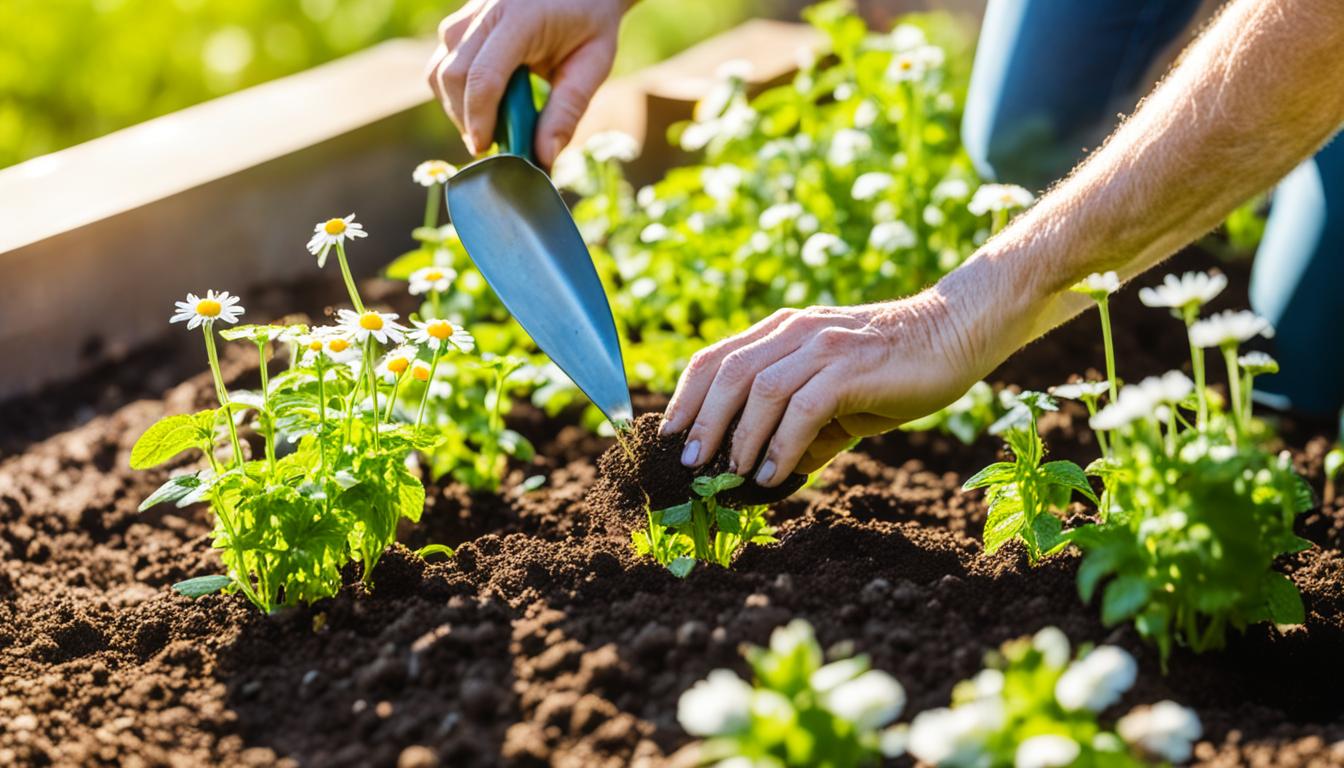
column 321, row 414
column 349, row 279
column 373, row 384
column 1197, row 367
column 1104, row 311
column 392, row 401
column 223, row 394
column 1091, row 403
column 432, row 198
column 1234, row 386
column 429, row 383
column 269, row 437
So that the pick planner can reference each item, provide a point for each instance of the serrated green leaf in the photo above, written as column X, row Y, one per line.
column 681, row 567
column 202, row 586
column 706, row 486
column 1123, row 598
column 673, row 516
column 1283, row 600
column 1049, row 534
column 168, row 437
column 176, row 488
column 1068, row 475
column 411, row 496
column 728, row 520
column 1004, row 522
column 994, row 474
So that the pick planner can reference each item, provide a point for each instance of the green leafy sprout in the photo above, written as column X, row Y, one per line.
column 701, row 529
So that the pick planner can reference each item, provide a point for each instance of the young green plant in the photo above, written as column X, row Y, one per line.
column 702, row 529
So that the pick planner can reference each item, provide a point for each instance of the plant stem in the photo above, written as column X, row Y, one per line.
column 1234, row 386
column 373, row 385
column 1091, row 404
column 1104, row 311
column 321, row 415
column 1197, row 367
column 392, row 401
column 349, row 280
column 223, row 394
column 269, row 437
column 432, row 198
column 424, row 398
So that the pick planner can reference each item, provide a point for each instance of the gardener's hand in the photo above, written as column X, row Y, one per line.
column 808, row 382
column 571, row 43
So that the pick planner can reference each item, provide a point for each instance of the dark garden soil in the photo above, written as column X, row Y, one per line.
column 544, row 641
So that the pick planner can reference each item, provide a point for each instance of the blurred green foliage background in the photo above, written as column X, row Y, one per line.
column 72, row 70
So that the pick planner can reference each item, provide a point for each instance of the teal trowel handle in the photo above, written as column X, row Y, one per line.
column 517, row 122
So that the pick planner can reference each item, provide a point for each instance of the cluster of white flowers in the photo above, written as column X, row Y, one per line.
column 735, row 122
column 1229, row 328
column 1140, row 401
column 607, row 146
column 989, row 198
column 721, row 182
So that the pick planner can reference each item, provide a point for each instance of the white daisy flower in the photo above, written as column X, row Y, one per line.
column 955, row 736
column 779, row 213
column 1053, row 645
column 719, row 704
column 432, row 172
column 788, row 638
column 820, row 247
column 330, row 232
column 1046, row 751
column 1097, row 680
column 1132, row 404
column 1169, row 389
column 998, row 197
column 217, row 305
column 1165, row 730
column 906, row 66
column 1229, row 327
column 951, row 189
column 435, row 333
column 382, row 326
column 869, row 701
column 1190, row 290
column 396, row 362
column 1098, row 285
column 420, row 370
column 437, row 279
column 870, row 185
column 331, row 342
column 1256, row 363
column 1083, row 390
column 888, row 236
column 612, row 145
column 846, row 145
column 830, row 676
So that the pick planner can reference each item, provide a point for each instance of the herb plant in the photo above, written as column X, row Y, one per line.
column 333, row 480
column 1037, row 705
column 798, row 711
column 701, row 529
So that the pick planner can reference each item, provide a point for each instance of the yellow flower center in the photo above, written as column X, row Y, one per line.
column 208, row 308
column 434, row 276
column 440, row 330
column 398, row 365
column 315, row 345
column 371, row 321
column 338, row 345
column 907, row 64
column 421, row 373
column 334, row 226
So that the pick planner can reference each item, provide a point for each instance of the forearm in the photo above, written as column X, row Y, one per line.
column 1259, row 91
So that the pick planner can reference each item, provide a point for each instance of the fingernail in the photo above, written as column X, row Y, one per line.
column 471, row 145
column 732, row 466
column 663, row 429
column 766, row 472
column 691, row 455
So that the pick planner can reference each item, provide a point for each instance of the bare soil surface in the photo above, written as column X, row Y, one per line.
column 545, row 641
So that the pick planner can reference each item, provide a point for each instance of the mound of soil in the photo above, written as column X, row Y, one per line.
column 545, row 641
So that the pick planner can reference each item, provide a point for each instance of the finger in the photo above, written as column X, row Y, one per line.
column 832, row 439
column 731, row 385
column 700, row 372
column 450, row 35
column 432, row 71
column 769, row 396
column 499, row 56
column 810, row 408
column 457, row 66
column 572, row 87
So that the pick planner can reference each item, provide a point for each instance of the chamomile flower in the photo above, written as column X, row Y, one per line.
column 435, row 333
column 330, row 232
column 432, row 172
column 420, row 370
column 951, row 189
column 888, row 236
column 1257, row 363
column 1170, row 388
column 1053, row 645
column 870, row 700
column 216, row 305
column 612, row 145
column 1229, row 327
column 998, row 197
column 870, row 185
column 820, row 247
column 1191, row 290
column 1083, row 390
column 1097, row 680
column 907, row 66
column 956, row 735
column 778, row 214
column 1098, row 285
column 719, row 704
column 396, row 363
column 1165, row 730
column 1048, row 750
column 382, row 326
column 332, row 343
column 426, row 279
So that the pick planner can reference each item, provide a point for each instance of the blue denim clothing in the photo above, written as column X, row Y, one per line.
column 1049, row 80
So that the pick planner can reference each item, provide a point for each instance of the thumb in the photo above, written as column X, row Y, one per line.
column 572, row 87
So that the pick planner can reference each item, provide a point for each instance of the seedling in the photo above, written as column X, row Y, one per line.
column 798, row 711
column 289, row 521
column 701, row 529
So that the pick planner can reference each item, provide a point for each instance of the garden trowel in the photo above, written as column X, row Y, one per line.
column 520, row 234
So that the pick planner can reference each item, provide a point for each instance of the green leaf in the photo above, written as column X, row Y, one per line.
column 1283, row 600
column 729, row 520
column 706, row 486
column 168, row 437
column 1097, row 565
column 1334, row 462
column 176, row 488
column 1123, row 598
column 261, row 334
column 673, row 516
column 681, row 567
column 202, row 586
column 410, row 495
column 1004, row 522
column 1049, row 533
column 407, row 263
column 995, row 474
column 434, row 549
column 532, row 483
column 1068, row 475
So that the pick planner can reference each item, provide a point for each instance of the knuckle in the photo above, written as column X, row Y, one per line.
column 482, row 80
column 769, row 385
column 735, row 369
column 699, row 362
column 808, row 405
column 453, row 72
